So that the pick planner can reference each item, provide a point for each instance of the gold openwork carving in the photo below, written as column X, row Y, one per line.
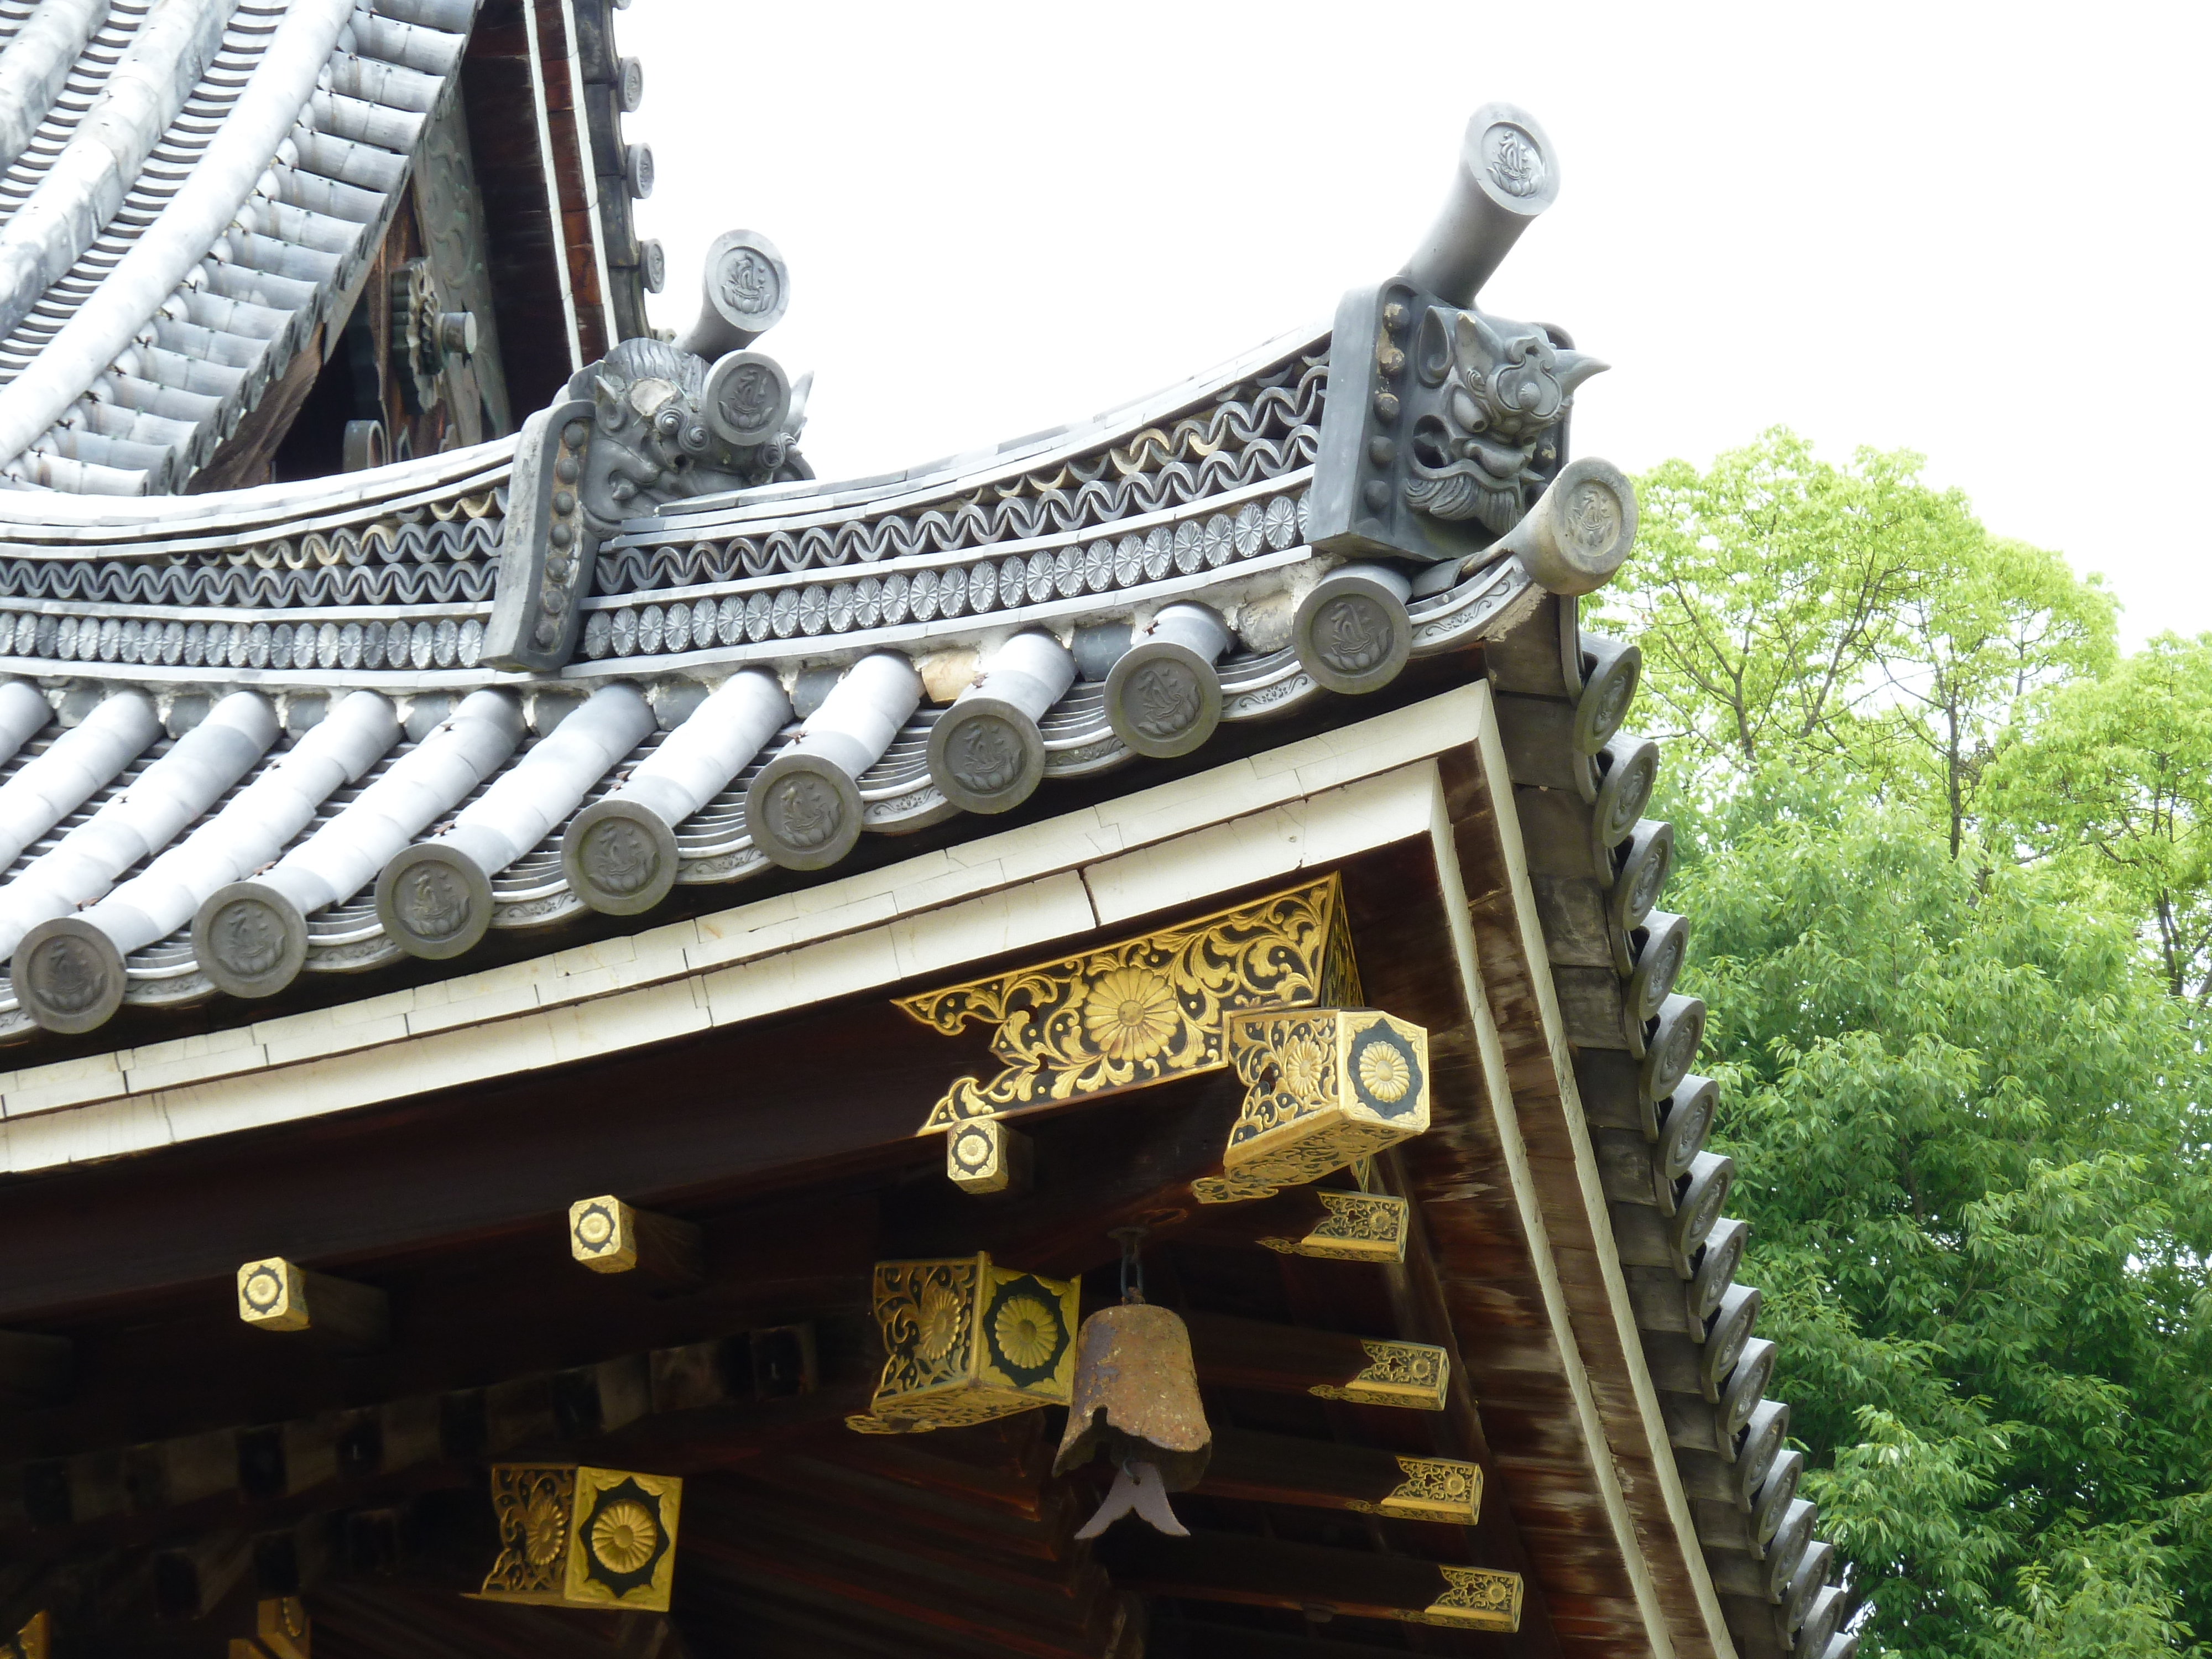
column 1409, row 1374
column 574, row 1536
column 1356, row 1227
column 1146, row 1009
column 967, row 1340
column 1436, row 1489
column 33, row 1641
column 1474, row 1598
column 1323, row 1088
column 281, row 1630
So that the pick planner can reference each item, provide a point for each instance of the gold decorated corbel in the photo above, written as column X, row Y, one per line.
column 1323, row 1089
column 574, row 1536
column 1436, row 1489
column 1353, row 1227
column 1144, row 1009
column 1474, row 1598
column 968, row 1340
column 281, row 1630
column 1411, row 1374
column 34, row 1641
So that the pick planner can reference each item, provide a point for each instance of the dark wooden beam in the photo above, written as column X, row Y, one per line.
column 673, row 1410
column 1249, row 1353
column 279, row 1295
column 1266, row 1572
column 1204, row 1639
column 191, row 1579
column 35, row 1370
column 608, row 1237
column 497, row 1162
column 1273, row 1468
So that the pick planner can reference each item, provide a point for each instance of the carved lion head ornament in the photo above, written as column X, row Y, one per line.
column 699, row 415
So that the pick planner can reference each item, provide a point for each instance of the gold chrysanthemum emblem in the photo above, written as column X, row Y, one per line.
column 1027, row 1332
column 1130, row 1014
column 1383, row 1072
column 941, row 1315
column 1304, row 1062
column 624, row 1536
column 545, row 1524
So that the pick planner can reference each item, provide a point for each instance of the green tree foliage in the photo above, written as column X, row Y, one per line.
column 2118, row 787
column 1945, row 858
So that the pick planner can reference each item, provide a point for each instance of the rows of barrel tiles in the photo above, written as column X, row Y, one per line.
column 1598, row 868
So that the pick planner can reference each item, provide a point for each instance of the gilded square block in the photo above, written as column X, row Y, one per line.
column 968, row 1340
column 574, row 1536
column 603, row 1234
column 983, row 1155
column 273, row 1295
column 1323, row 1087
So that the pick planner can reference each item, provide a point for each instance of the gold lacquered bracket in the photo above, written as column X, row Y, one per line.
column 1436, row 1489
column 1354, row 1227
column 1146, row 1009
column 1413, row 1374
column 1324, row 1088
column 573, row 1536
column 1474, row 1598
column 968, row 1340
column 281, row 1630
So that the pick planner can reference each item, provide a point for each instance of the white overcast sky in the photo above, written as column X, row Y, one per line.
column 1977, row 231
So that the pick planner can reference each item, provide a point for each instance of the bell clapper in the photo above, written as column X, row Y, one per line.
column 1137, row 1489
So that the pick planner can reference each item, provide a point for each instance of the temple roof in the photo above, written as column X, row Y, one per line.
column 275, row 614
column 192, row 187
column 322, row 729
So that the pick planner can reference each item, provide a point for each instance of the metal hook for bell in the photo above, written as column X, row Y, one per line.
column 1132, row 1263
column 1136, row 1397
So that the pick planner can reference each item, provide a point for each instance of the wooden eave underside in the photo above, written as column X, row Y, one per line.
column 805, row 1538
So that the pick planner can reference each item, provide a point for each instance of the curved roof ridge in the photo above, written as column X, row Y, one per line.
column 759, row 508
column 264, row 508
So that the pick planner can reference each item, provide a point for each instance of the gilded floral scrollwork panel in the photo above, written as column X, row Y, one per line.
column 1144, row 1009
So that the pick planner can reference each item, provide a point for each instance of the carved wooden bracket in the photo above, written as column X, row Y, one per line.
column 1323, row 1088
column 573, row 1536
column 1144, row 1009
column 968, row 1341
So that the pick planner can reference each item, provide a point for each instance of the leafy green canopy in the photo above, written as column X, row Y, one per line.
column 1946, row 863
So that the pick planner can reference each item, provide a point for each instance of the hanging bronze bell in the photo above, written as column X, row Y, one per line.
column 1136, row 1398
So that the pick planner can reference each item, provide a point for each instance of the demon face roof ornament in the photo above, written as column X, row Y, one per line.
column 1446, row 428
